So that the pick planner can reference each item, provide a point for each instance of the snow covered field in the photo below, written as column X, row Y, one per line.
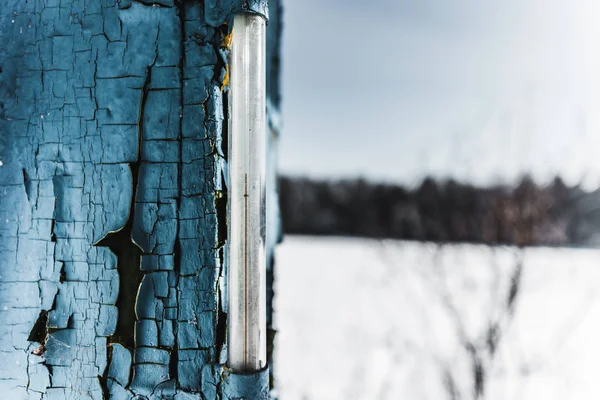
column 367, row 319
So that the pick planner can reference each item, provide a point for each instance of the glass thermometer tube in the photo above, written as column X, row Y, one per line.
column 247, row 195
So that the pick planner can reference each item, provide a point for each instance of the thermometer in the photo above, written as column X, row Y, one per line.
column 247, row 195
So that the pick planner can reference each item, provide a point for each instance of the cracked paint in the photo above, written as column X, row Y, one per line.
column 112, row 199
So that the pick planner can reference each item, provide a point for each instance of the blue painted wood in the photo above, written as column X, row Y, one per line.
column 112, row 116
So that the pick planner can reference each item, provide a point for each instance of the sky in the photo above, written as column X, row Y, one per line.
column 478, row 91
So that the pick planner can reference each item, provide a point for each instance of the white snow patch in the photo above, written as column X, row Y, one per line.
column 366, row 319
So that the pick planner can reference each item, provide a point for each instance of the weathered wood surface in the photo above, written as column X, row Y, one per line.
column 112, row 198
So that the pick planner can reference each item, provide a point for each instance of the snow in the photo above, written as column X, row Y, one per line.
column 367, row 319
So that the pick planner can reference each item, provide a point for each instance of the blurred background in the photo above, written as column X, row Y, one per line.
column 440, row 201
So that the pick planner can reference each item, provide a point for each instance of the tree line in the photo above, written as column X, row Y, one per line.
column 443, row 211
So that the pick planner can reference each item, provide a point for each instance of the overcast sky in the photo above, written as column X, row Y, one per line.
column 481, row 91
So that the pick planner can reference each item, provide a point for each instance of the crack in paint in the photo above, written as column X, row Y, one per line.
column 127, row 251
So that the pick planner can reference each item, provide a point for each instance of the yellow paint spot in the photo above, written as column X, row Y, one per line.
column 226, row 78
column 227, row 40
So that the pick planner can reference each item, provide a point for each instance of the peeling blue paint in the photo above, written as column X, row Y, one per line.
column 245, row 386
column 105, row 104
